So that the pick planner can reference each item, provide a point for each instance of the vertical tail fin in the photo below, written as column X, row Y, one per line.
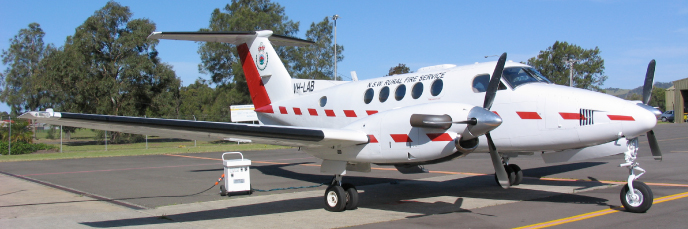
column 267, row 78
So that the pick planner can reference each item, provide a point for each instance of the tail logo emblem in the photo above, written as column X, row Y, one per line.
column 262, row 57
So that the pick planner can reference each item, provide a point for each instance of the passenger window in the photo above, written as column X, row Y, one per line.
column 417, row 90
column 436, row 87
column 481, row 82
column 400, row 92
column 384, row 94
column 323, row 101
column 368, row 96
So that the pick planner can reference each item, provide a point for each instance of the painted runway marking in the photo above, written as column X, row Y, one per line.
column 110, row 170
column 597, row 213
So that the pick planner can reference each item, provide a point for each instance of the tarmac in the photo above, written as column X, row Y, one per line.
column 163, row 191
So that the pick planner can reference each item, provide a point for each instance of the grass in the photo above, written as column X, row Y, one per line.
column 90, row 151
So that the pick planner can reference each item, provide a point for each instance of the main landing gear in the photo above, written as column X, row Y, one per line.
column 635, row 196
column 513, row 171
column 340, row 197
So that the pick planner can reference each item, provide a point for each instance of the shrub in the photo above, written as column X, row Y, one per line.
column 23, row 147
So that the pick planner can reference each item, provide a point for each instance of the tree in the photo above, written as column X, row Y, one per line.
column 399, row 69
column 316, row 61
column 588, row 70
column 19, row 79
column 633, row 97
column 658, row 98
column 110, row 67
column 221, row 60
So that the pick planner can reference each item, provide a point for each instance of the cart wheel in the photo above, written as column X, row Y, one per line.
column 223, row 190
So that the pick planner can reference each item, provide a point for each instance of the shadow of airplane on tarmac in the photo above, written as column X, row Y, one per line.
column 412, row 196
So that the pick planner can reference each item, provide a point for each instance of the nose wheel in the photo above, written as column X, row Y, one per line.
column 340, row 197
column 635, row 196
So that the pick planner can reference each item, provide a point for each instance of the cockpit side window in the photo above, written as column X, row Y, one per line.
column 480, row 83
column 517, row 76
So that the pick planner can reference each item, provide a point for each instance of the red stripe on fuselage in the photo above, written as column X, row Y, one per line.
column 283, row 110
column 372, row 138
column 528, row 115
column 297, row 111
column 255, row 85
column 313, row 112
column 621, row 118
column 400, row 137
column 371, row 112
column 439, row 137
column 350, row 113
column 571, row 116
column 329, row 113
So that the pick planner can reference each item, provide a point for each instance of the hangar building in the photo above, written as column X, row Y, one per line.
column 677, row 99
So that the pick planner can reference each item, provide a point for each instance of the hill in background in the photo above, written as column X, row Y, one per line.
column 622, row 93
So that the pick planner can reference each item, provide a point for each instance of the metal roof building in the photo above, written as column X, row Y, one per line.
column 677, row 98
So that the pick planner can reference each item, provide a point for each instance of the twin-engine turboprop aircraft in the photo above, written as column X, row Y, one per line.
column 434, row 115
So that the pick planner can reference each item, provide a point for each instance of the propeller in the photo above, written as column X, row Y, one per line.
column 647, row 92
column 500, row 171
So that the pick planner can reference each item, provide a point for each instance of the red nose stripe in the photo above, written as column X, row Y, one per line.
column 349, row 113
column 621, row 118
column 400, row 138
column 313, row 112
column 439, row 137
column 283, row 110
column 297, row 111
column 528, row 115
column 372, row 138
column 571, row 116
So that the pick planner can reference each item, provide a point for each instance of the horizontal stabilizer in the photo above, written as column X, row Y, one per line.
column 206, row 131
column 236, row 38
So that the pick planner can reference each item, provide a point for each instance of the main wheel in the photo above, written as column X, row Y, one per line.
column 351, row 196
column 510, row 173
column 335, row 198
column 518, row 174
column 638, row 201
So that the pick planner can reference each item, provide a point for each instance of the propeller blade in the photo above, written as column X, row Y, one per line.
column 494, row 82
column 497, row 163
column 654, row 146
column 649, row 80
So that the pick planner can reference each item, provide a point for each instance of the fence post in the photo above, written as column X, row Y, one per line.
column 106, row 140
column 194, row 140
column 146, row 135
column 9, row 141
column 60, row 138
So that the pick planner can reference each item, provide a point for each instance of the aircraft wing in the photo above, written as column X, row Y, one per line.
column 206, row 131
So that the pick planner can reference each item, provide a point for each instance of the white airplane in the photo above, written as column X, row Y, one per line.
column 412, row 119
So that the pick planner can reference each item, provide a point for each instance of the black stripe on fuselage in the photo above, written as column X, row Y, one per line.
column 201, row 126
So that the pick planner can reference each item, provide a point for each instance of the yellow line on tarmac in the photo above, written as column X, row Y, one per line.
column 596, row 213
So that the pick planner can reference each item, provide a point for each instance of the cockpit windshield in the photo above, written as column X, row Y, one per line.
column 517, row 76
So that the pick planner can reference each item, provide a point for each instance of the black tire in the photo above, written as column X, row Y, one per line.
column 351, row 196
column 510, row 173
column 645, row 201
column 518, row 178
column 223, row 190
column 664, row 119
column 335, row 198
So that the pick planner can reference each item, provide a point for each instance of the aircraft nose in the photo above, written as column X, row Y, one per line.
column 645, row 119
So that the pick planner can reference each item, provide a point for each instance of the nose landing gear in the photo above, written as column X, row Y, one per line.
column 340, row 197
column 635, row 196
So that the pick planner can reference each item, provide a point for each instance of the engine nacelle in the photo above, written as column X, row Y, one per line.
column 466, row 146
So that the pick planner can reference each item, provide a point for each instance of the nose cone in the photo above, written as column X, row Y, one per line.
column 645, row 119
column 485, row 121
column 654, row 111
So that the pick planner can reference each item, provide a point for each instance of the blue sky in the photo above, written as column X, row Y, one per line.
column 380, row 34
